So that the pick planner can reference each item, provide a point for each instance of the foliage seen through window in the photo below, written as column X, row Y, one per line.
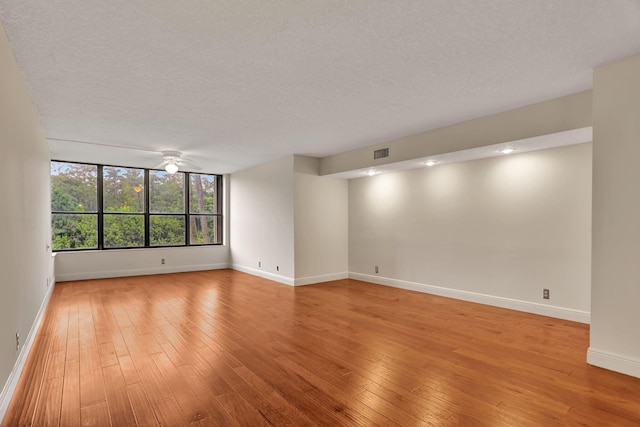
column 122, row 214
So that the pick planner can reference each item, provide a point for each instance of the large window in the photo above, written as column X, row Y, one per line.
column 109, row 207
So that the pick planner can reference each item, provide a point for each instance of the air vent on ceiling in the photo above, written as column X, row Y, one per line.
column 381, row 153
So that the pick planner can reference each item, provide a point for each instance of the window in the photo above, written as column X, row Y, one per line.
column 112, row 207
column 123, row 207
column 166, row 204
column 205, row 216
column 74, row 206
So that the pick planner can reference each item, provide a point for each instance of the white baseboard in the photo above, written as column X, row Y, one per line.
column 613, row 362
column 138, row 272
column 264, row 274
column 513, row 304
column 14, row 376
column 302, row 281
column 310, row 280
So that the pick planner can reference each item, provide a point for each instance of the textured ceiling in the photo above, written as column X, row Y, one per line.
column 233, row 84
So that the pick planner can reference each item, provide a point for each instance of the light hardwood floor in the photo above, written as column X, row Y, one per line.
column 223, row 348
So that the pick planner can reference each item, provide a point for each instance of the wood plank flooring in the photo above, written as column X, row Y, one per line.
column 223, row 348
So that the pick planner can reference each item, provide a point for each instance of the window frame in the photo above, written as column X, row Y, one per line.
column 186, row 214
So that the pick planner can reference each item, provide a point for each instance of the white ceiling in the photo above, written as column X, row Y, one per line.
column 233, row 84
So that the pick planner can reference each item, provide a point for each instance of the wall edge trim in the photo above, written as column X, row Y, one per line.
column 613, row 362
column 264, row 274
column 310, row 280
column 10, row 386
column 509, row 303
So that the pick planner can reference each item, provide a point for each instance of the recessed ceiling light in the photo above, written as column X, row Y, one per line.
column 371, row 172
column 430, row 163
column 507, row 150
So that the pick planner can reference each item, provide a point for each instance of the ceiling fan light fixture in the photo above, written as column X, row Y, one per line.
column 171, row 167
column 173, row 161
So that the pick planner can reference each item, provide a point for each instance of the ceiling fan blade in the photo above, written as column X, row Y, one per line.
column 189, row 164
column 161, row 165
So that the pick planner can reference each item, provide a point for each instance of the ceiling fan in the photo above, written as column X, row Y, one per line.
column 172, row 162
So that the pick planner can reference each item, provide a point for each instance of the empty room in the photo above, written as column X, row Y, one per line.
column 319, row 213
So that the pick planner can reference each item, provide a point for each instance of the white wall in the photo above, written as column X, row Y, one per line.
column 495, row 231
column 321, row 224
column 135, row 262
column 262, row 220
column 25, row 260
column 615, row 311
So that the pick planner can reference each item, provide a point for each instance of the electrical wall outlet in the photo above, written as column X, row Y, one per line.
column 162, row 261
column 259, row 263
column 17, row 341
column 545, row 293
column 277, row 268
column 376, row 269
